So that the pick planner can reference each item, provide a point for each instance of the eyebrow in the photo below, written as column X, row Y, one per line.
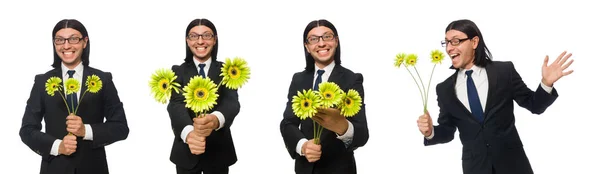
column 69, row 36
column 202, row 33
column 323, row 34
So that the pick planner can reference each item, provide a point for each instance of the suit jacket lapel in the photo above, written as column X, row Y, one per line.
column 214, row 72
column 492, row 81
column 451, row 90
column 336, row 75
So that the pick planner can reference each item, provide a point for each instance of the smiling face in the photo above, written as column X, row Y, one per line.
column 200, row 41
column 321, row 43
column 461, row 49
column 69, row 45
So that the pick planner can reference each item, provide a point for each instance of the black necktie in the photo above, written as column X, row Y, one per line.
column 474, row 102
column 318, row 81
column 202, row 70
column 72, row 98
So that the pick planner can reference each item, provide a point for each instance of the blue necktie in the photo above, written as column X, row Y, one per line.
column 202, row 70
column 72, row 98
column 318, row 81
column 474, row 102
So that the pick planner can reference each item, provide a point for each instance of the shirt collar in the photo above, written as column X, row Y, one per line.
column 78, row 69
column 327, row 68
column 476, row 71
column 207, row 62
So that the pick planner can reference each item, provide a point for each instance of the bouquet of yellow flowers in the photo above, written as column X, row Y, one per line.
column 306, row 103
column 200, row 93
column 54, row 84
column 410, row 60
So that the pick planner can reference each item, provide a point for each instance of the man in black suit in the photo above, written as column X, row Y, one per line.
column 83, row 151
column 478, row 100
column 340, row 136
column 202, row 145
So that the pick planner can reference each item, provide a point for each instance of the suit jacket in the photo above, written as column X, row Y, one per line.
column 90, row 156
column 496, row 142
column 220, row 151
column 335, row 156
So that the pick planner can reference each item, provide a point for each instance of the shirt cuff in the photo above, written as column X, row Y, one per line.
column 221, row 118
column 55, row 146
column 299, row 146
column 89, row 134
column 546, row 88
column 348, row 136
column 186, row 130
column 430, row 136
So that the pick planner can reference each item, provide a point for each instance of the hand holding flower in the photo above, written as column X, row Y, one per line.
column 206, row 124
column 75, row 125
column 331, row 119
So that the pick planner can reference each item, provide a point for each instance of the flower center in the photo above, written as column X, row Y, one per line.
column 163, row 85
column 328, row 95
column 348, row 102
column 306, row 104
column 72, row 87
column 234, row 72
column 92, row 84
column 201, row 93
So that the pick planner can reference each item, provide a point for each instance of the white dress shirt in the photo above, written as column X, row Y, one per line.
column 187, row 129
column 78, row 75
column 349, row 135
column 480, row 79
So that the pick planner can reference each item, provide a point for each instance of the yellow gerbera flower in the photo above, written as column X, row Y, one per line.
column 411, row 60
column 399, row 59
column 53, row 84
column 330, row 93
column 200, row 94
column 437, row 56
column 235, row 73
column 351, row 103
column 305, row 104
column 93, row 83
column 72, row 85
column 162, row 83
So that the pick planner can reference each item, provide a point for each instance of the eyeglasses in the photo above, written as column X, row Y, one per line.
column 72, row 40
column 315, row 39
column 205, row 36
column 453, row 42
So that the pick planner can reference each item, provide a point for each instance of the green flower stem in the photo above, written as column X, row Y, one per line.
column 429, row 84
column 65, row 100
column 80, row 99
column 420, row 91
column 316, row 139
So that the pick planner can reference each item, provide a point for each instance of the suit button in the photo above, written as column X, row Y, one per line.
column 488, row 145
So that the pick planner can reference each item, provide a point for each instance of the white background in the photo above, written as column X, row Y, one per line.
column 132, row 39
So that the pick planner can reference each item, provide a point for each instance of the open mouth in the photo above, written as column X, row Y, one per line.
column 452, row 56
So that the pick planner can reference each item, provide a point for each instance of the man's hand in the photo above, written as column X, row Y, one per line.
column 311, row 151
column 551, row 73
column 75, row 125
column 196, row 143
column 331, row 119
column 425, row 124
column 205, row 125
column 68, row 145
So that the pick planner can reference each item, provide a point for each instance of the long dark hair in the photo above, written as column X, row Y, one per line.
column 76, row 25
column 310, row 61
column 189, row 56
column 483, row 56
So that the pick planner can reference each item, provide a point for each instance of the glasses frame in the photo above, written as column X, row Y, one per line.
column 454, row 41
column 71, row 40
column 204, row 36
column 319, row 38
